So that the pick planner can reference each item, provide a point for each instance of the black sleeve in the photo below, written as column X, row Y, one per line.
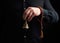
column 50, row 15
column 35, row 3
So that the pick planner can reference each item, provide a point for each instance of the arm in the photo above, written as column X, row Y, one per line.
column 35, row 3
column 50, row 14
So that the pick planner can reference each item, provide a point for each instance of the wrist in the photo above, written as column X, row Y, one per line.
column 41, row 14
column 41, row 9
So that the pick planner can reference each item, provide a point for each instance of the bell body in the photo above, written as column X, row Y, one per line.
column 25, row 25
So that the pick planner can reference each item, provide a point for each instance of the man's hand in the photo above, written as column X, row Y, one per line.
column 31, row 12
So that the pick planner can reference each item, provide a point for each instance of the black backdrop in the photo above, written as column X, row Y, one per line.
column 52, row 34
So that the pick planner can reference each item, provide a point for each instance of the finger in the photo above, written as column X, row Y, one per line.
column 30, row 14
column 25, row 12
column 31, row 17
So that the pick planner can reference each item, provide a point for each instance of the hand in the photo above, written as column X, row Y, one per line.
column 31, row 12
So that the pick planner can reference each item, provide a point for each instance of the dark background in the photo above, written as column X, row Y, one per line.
column 53, row 32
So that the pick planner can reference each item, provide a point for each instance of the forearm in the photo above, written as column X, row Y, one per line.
column 35, row 3
column 49, row 13
column 50, row 16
